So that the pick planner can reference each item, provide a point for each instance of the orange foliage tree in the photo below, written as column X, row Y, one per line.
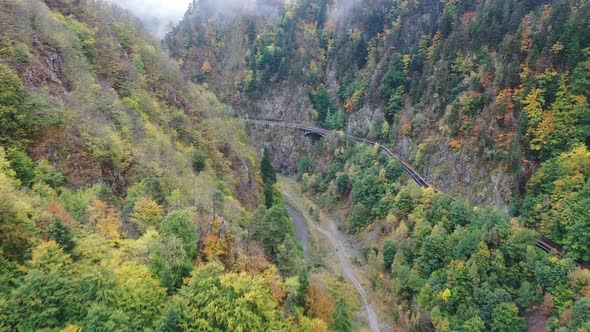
column 206, row 68
column 214, row 247
column 319, row 302
column 105, row 218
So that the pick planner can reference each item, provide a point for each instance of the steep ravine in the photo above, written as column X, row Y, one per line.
column 453, row 172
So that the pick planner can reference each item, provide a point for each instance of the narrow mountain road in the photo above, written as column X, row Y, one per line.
column 340, row 249
column 543, row 243
column 323, row 132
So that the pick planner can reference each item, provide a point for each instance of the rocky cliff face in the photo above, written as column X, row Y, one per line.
column 447, row 79
column 287, row 148
column 103, row 104
column 285, row 102
column 455, row 171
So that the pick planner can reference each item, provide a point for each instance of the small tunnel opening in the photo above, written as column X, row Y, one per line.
column 314, row 137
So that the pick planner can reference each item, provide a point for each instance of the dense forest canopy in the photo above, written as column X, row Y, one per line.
column 487, row 98
column 440, row 263
column 491, row 87
column 131, row 198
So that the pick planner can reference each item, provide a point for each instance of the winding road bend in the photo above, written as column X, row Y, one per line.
column 543, row 244
column 340, row 249
column 323, row 132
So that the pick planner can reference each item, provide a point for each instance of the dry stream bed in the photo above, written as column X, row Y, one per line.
column 340, row 250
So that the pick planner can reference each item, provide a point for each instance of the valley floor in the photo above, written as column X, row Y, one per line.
column 341, row 251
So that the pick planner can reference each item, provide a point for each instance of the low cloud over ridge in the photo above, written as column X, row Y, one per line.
column 158, row 15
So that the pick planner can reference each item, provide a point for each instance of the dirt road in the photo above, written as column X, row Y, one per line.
column 340, row 249
column 301, row 232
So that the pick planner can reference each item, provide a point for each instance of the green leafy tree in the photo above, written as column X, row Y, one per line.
column 474, row 324
column 505, row 318
column 215, row 301
column 289, row 256
column 368, row 189
column 275, row 230
column 22, row 165
column 12, row 100
column 438, row 213
column 343, row 184
column 47, row 173
column 172, row 322
column 577, row 224
column 517, row 243
column 550, row 272
column 75, row 203
column 459, row 214
column 394, row 170
column 394, row 78
column 199, row 161
column 341, row 318
column 181, row 224
column 102, row 317
column 557, row 129
column 267, row 169
column 395, row 103
column 557, row 200
column 336, row 120
column 62, row 235
column 581, row 75
column 8, row 277
column 83, row 33
column 322, row 103
column 580, row 316
column 567, row 113
column 434, row 254
column 269, row 177
column 142, row 298
column 527, row 295
column 152, row 187
column 46, row 297
column 404, row 201
column 408, row 281
column 388, row 254
column 170, row 261
column 358, row 218
column 16, row 225
column 21, row 53
column 146, row 212
column 303, row 278
column 303, row 167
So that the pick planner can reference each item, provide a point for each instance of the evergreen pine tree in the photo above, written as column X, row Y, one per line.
column 171, row 322
column 303, row 284
column 62, row 235
column 269, row 176
column 266, row 167
column 342, row 322
column 388, row 254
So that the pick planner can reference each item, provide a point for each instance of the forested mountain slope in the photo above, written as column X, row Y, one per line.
column 475, row 94
column 439, row 263
column 488, row 99
column 129, row 199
